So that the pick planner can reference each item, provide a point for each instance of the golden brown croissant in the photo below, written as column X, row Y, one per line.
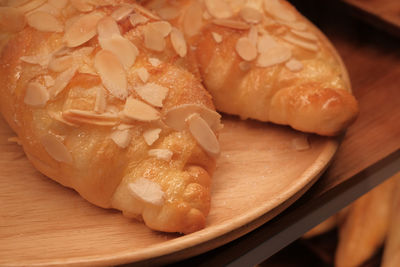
column 261, row 59
column 100, row 98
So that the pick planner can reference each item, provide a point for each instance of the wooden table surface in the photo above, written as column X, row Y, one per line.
column 369, row 153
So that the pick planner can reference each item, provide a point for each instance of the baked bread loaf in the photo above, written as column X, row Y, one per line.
column 100, row 98
column 262, row 59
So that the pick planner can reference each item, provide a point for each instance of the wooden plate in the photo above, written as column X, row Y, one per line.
column 258, row 174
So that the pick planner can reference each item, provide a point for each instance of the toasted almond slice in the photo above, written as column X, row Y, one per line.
column 60, row 64
column 152, row 93
column 137, row 19
column 83, row 5
column 301, row 143
column 273, row 56
column 155, row 62
column 163, row 154
column 139, row 9
column 154, row 38
column 176, row 116
column 124, row 49
column 203, row 134
column 58, row 117
column 122, row 12
column 306, row 35
column 56, row 149
column 138, row 110
column 296, row 25
column 101, row 100
column 143, row 74
column 250, row 15
column 265, row 43
column 278, row 10
column 107, row 28
column 178, row 42
column 31, row 5
column 88, row 117
column 44, row 22
column 47, row 8
column 233, row 24
column 122, row 138
column 300, row 43
column 246, row 49
column 192, row 20
column 218, row 9
column 36, row 95
column 217, row 37
column 112, row 73
column 147, row 191
column 253, row 35
column 48, row 81
column 164, row 27
column 59, row 4
column 294, row 65
column 123, row 126
column 152, row 135
column 168, row 12
column 11, row 19
column 82, row 29
column 62, row 81
column 41, row 59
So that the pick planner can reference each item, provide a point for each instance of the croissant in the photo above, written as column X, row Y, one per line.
column 99, row 95
column 261, row 59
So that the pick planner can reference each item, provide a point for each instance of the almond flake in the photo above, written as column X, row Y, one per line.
column 273, row 56
column 144, row 11
column 41, row 59
column 253, row 35
column 250, row 15
column 11, row 20
column 122, row 12
column 152, row 135
column 192, row 20
column 47, row 8
column 278, row 10
column 62, row 81
column 124, row 49
column 301, row 143
column 147, row 191
column 176, row 116
column 48, row 81
column 303, row 44
column 44, row 22
column 178, row 42
column 294, row 65
column 137, row 19
column 203, row 134
column 101, row 101
column 296, row 25
column 82, row 29
column 154, row 38
column 306, row 35
column 265, row 43
column 56, row 149
column 36, row 95
column 138, row 110
column 112, row 73
column 233, row 24
column 121, row 138
column 163, row 154
column 83, row 5
column 31, row 5
column 152, row 93
column 123, row 126
column 217, row 37
column 143, row 74
column 107, row 28
column 88, row 117
column 58, row 117
column 245, row 49
column 59, row 4
column 164, row 27
column 168, row 12
column 60, row 64
column 155, row 62
column 218, row 9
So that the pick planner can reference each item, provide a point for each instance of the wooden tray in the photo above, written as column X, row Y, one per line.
column 258, row 174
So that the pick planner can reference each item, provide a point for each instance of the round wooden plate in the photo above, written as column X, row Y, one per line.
column 259, row 173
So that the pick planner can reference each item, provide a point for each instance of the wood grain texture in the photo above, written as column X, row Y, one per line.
column 258, row 174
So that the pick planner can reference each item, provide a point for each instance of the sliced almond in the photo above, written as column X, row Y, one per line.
column 36, row 95
column 107, row 28
column 44, row 22
column 60, row 64
column 246, row 49
column 294, row 65
column 163, row 154
column 122, row 12
column 56, row 149
column 137, row 19
column 140, row 9
column 265, row 43
column 147, row 191
column 30, row 5
column 88, row 117
column 60, row 4
column 178, row 42
column 82, row 29
column 62, row 81
column 218, row 9
column 58, row 117
column 250, row 15
column 154, row 38
column 306, row 35
column 274, row 56
column 152, row 93
column 47, row 8
column 192, row 20
column 217, row 37
column 11, row 19
column 122, row 138
column 143, row 74
column 300, row 43
column 152, row 135
column 155, row 62
column 101, row 100
column 203, row 134
column 168, row 12
column 123, row 126
column 48, row 81
column 176, row 116
column 296, row 25
column 278, row 10
column 83, row 5
column 253, row 35
column 230, row 23
column 41, row 59
column 112, row 73
column 138, row 110
column 124, row 49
